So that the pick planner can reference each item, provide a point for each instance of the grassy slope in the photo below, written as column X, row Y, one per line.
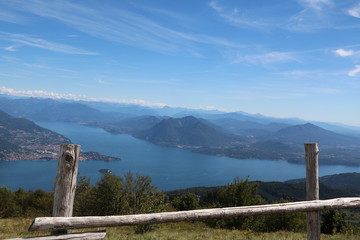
column 11, row 228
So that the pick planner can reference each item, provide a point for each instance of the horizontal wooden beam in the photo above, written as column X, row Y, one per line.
column 99, row 235
column 55, row 223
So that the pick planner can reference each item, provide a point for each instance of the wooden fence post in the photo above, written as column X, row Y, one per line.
column 66, row 182
column 312, row 189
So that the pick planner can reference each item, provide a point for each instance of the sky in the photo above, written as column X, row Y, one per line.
column 280, row 58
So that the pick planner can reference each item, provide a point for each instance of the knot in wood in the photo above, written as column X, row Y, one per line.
column 69, row 159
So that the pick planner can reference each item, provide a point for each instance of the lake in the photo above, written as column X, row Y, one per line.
column 169, row 168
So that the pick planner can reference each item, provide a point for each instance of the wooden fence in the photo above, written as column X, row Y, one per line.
column 62, row 219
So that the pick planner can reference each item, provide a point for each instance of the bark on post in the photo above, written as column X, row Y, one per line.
column 312, row 189
column 66, row 182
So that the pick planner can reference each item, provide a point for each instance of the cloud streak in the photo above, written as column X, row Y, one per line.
column 6, row 16
column 316, row 5
column 118, row 25
column 22, row 39
column 235, row 17
column 11, row 48
column 266, row 58
column 355, row 72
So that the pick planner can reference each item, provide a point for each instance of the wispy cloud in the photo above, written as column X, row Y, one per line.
column 355, row 72
column 103, row 82
column 11, row 48
column 314, row 15
column 235, row 16
column 311, row 15
column 11, row 17
column 22, row 39
column 303, row 74
column 117, row 25
column 328, row 90
column 169, row 14
column 266, row 58
column 316, row 5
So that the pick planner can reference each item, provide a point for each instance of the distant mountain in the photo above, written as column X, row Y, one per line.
column 52, row 110
column 308, row 132
column 342, row 180
column 22, row 139
column 130, row 110
column 287, row 144
column 248, row 128
column 272, row 191
column 340, row 128
column 186, row 131
column 132, row 125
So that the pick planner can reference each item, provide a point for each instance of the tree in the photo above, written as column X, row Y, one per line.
column 142, row 197
column 108, row 196
column 84, row 198
column 238, row 193
column 188, row 201
column 39, row 203
column 7, row 204
column 333, row 221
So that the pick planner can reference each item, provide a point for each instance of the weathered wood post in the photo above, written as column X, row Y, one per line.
column 312, row 189
column 66, row 182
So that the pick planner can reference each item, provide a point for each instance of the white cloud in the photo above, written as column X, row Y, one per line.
column 11, row 17
column 315, row 15
column 100, row 81
column 344, row 53
column 355, row 72
column 22, row 39
column 116, row 24
column 354, row 11
column 39, row 93
column 236, row 17
column 11, row 48
column 266, row 58
column 75, row 97
column 316, row 5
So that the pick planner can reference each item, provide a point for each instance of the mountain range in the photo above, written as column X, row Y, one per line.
column 187, row 131
column 237, row 134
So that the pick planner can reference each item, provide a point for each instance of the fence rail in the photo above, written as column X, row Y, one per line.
column 56, row 223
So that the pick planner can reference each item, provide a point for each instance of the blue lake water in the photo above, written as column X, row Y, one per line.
column 169, row 168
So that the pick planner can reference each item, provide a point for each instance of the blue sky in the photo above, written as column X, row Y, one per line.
column 282, row 58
